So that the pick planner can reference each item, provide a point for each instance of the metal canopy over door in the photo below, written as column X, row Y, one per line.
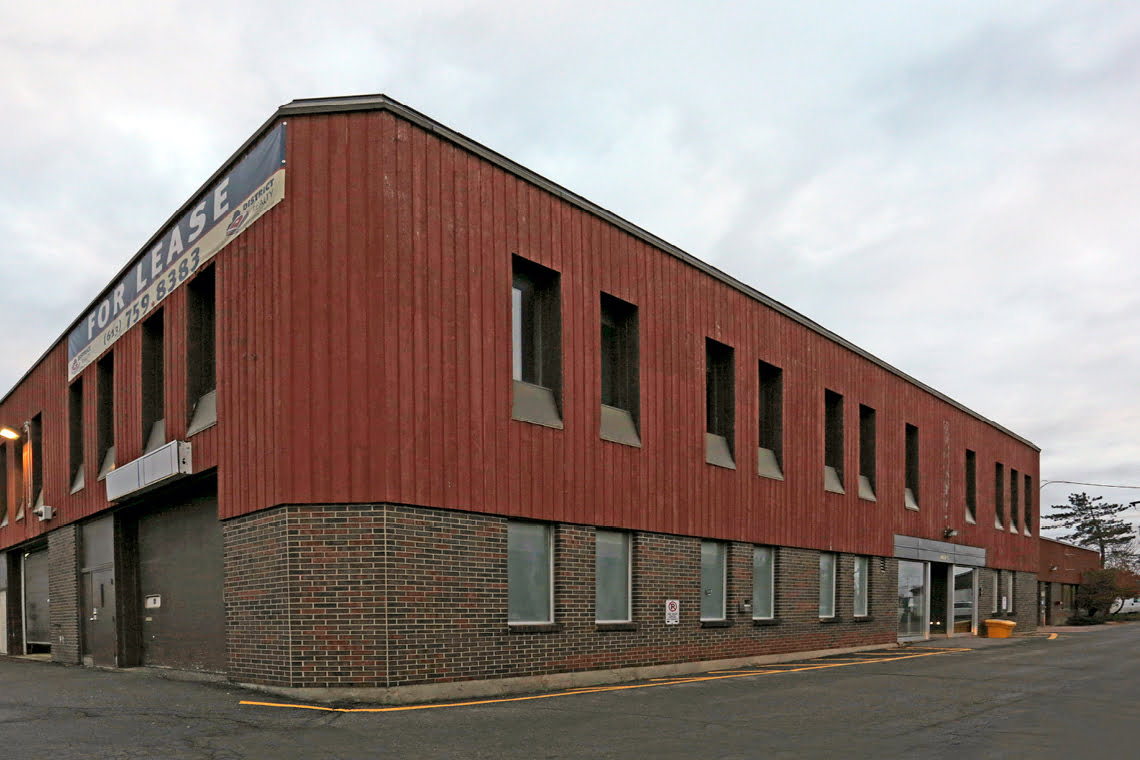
column 37, row 617
column 183, row 621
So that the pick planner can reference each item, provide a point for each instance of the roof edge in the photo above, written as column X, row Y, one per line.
column 380, row 102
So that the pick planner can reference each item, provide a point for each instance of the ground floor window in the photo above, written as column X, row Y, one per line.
column 611, row 577
column 859, row 591
column 529, row 573
column 763, row 582
column 712, row 580
column 826, row 585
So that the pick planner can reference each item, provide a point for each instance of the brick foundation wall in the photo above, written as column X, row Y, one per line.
column 1026, row 608
column 63, row 589
column 256, row 591
column 1025, row 602
column 390, row 595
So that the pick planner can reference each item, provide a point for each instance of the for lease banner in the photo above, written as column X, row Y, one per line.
column 254, row 185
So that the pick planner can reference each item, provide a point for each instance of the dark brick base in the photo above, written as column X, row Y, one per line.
column 388, row 596
column 63, row 589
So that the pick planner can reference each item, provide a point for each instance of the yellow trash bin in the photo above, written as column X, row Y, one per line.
column 999, row 629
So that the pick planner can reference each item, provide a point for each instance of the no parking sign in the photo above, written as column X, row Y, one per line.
column 672, row 612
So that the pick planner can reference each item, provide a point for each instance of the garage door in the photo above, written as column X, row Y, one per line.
column 180, row 579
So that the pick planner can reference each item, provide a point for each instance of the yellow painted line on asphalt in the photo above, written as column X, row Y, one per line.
column 594, row 689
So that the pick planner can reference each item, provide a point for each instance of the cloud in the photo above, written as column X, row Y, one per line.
column 951, row 187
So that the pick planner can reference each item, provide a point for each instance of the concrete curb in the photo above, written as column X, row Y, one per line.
column 462, row 690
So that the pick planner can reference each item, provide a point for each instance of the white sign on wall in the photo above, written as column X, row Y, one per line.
column 672, row 612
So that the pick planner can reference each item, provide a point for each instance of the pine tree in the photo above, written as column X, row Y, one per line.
column 1092, row 524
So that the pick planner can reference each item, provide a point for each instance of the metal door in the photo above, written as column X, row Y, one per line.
column 99, row 618
column 37, row 614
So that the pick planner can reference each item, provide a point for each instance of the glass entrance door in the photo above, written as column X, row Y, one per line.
column 912, row 600
column 964, row 600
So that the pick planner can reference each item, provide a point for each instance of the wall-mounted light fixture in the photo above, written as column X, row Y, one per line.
column 9, row 433
column 949, row 533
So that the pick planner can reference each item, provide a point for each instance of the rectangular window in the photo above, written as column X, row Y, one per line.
column 866, row 453
column 153, row 384
column 1028, row 506
column 997, row 590
column 860, row 590
column 536, row 336
column 720, row 404
column 826, row 585
column 619, row 364
column 712, row 580
column 999, row 496
column 971, row 487
column 105, row 413
column 201, row 352
column 833, row 442
column 771, row 453
column 911, row 495
column 20, row 479
column 611, row 577
column 36, row 450
column 1014, row 501
column 1011, row 585
column 75, row 434
column 763, row 582
column 530, row 573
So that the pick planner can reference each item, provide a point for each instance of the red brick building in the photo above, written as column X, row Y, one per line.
column 380, row 408
column 1061, row 568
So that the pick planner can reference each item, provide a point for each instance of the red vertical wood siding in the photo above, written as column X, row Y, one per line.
column 364, row 330
column 1070, row 562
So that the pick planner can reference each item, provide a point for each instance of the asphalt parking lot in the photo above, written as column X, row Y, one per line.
column 1075, row 695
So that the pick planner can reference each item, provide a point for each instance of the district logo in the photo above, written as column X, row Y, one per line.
column 235, row 222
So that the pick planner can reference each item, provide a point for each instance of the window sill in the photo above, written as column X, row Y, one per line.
column 768, row 465
column 717, row 452
column 830, row 620
column 604, row 627
column 205, row 414
column 536, row 405
column 195, row 430
column 534, row 627
column 764, row 622
column 832, row 483
column 716, row 624
column 912, row 508
column 617, row 426
column 864, row 619
column 971, row 520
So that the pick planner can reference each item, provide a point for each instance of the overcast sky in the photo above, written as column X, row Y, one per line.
column 952, row 186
